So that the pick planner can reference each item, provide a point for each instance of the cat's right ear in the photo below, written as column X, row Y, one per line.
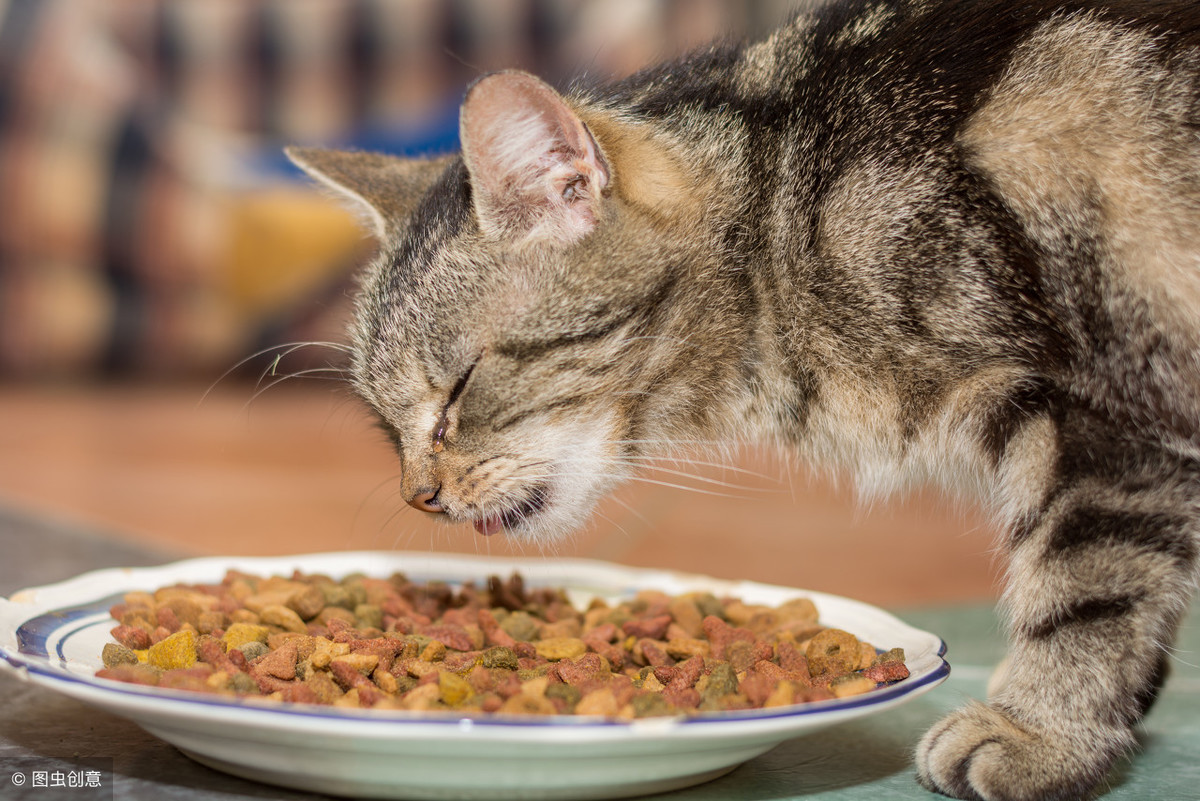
column 536, row 171
column 386, row 189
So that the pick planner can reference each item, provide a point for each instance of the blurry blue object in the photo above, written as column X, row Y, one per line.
column 432, row 137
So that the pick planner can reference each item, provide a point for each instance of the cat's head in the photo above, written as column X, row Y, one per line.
column 525, row 331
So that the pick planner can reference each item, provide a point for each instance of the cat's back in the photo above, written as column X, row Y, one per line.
column 1074, row 113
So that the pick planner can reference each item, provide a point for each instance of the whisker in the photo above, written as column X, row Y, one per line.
column 367, row 498
column 648, row 460
column 675, row 444
column 285, row 349
column 644, row 480
column 708, row 480
column 401, row 508
column 700, row 478
column 629, row 508
column 309, row 373
column 653, row 463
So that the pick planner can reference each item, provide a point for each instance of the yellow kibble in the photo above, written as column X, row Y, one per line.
column 220, row 680
column 137, row 598
column 557, row 648
column 799, row 609
column 418, row 668
column 260, row 601
column 422, row 698
column 784, row 694
column 536, row 687
column 238, row 634
column 866, row 654
column 598, row 702
column 652, row 684
column 176, row 651
column 322, row 645
column 851, row 685
column 454, row 689
column 243, row 616
column 684, row 647
column 522, row 704
column 363, row 663
column 387, row 682
column 434, row 652
column 284, row 618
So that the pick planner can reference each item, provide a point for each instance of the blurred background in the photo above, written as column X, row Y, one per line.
column 153, row 240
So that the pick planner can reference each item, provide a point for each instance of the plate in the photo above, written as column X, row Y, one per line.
column 53, row 635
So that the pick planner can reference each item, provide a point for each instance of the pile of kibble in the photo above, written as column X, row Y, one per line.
column 500, row 648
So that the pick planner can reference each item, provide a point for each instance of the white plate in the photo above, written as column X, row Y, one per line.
column 53, row 635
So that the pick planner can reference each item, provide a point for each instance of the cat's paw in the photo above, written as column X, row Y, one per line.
column 979, row 753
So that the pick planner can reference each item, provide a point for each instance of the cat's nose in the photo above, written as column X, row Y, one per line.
column 426, row 500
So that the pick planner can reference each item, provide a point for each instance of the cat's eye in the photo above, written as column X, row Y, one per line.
column 458, row 388
column 439, row 428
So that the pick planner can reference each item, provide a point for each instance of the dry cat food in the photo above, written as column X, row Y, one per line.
column 500, row 648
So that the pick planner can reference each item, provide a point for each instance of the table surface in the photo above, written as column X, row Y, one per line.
column 870, row 758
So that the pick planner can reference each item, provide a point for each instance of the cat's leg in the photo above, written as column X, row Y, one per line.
column 1098, row 582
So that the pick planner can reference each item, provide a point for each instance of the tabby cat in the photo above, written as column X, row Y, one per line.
column 948, row 241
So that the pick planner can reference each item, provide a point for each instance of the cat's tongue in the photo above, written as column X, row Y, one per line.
column 487, row 526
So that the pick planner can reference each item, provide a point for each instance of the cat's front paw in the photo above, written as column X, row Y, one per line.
column 978, row 752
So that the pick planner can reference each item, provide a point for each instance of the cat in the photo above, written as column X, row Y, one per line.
column 945, row 241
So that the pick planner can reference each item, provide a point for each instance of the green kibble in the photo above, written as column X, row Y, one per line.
column 708, row 604
column 337, row 595
column 253, row 649
column 640, row 678
column 115, row 654
column 368, row 616
column 520, row 626
column 420, row 643
column 721, row 682
column 894, row 655
column 649, row 704
column 357, row 590
column 243, row 684
column 569, row 695
column 499, row 657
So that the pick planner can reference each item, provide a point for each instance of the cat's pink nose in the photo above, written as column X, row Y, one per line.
column 426, row 500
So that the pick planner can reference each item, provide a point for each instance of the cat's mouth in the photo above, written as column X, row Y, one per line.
column 514, row 516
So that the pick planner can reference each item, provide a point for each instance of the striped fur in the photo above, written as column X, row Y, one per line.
column 921, row 241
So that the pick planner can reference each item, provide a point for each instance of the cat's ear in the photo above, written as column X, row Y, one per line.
column 536, row 172
column 385, row 188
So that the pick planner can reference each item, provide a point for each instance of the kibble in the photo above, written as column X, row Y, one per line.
column 502, row 648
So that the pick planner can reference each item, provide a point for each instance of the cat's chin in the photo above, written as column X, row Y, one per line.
column 517, row 516
column 540, row 520
column 488, row 526
column 529, row 528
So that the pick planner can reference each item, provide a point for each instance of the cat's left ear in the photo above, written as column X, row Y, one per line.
column 384, row 189
column 536, row 171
